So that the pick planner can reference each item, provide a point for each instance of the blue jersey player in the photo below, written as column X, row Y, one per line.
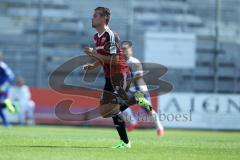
column 6, row 77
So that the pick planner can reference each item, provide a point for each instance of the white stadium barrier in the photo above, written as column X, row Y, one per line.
column 200, row 111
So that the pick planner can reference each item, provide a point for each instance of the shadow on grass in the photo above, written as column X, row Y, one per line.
column 42, row 146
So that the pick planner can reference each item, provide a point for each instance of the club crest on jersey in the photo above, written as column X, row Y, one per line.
column 103, row 40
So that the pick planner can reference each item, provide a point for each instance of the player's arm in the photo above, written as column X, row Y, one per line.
column 107, row 59
column 137, row 71
column 92, row 65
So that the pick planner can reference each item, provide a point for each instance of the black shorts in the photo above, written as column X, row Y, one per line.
column 117, row 85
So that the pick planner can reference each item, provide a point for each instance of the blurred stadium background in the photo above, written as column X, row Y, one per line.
column 198, row 41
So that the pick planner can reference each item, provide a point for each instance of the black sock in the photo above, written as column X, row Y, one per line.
column 120, row 126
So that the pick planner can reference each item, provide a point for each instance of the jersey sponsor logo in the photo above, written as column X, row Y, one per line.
column 103, row 40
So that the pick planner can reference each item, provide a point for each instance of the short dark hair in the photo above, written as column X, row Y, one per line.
column 128, row 43
column 106, row 12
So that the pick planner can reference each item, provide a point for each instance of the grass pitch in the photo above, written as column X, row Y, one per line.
column 67, row 143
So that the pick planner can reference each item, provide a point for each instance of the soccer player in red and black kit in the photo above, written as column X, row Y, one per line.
column 110, row 56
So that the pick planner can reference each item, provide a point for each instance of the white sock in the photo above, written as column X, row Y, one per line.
column 128, row 115
column 156, row 119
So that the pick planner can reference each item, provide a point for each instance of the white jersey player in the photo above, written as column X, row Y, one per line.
column 138, row 84
column 21, row 96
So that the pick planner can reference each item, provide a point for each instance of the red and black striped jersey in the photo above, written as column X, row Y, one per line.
column 108, row 43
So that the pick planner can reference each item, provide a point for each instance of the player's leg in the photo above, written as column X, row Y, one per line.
column 3, row 115
column 30, row 113
column 142, row 101
column 107, row 98
column 136, row 98
column 22, row 115
column 113, row 110
column 119, row 123
column 128, row 114
column 158, row 124
column 9, row 105
column 120, row 85
column 155, row 118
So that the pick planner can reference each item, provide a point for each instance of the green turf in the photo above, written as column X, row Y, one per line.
column 67, row 143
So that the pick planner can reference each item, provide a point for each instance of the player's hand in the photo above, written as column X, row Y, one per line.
column 89, row 51
column 88, row 66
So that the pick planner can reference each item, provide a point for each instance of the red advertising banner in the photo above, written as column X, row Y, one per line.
column 46, row 100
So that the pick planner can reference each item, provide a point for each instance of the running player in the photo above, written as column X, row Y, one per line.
column 110, row 56
column 107, row 52
column 135, row 67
